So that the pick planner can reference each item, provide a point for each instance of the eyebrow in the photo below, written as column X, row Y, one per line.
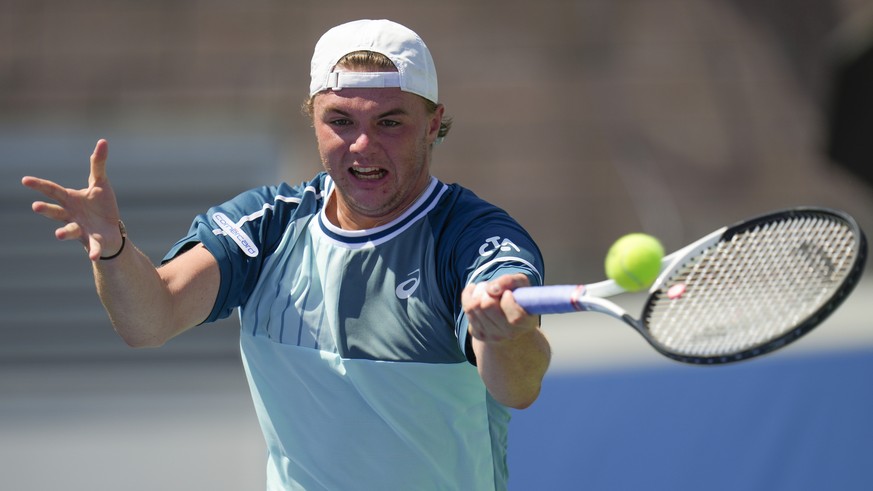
column 391, row 112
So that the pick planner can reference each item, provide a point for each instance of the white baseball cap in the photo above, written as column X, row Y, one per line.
column 415, row 69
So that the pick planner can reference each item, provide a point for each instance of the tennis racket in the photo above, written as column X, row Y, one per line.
column 739, row 292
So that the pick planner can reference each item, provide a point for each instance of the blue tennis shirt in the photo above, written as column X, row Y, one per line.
column 355, row 343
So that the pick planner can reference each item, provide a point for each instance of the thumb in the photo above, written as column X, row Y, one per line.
column 98, row 162
column 94, row 248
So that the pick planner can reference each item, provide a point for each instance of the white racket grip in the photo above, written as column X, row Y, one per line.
column 556, row 299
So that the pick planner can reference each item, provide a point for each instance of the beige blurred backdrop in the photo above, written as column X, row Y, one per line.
column 585, row 119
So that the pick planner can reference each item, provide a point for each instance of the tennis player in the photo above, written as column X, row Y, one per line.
column 378, row 335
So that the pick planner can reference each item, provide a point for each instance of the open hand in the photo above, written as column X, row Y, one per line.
column 89, row 215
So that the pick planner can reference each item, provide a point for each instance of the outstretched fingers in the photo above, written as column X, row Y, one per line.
column 88, row 215
column 53, row 191
column 70, row 231
column 98, row 162
column 48, row 188
column 51, row 211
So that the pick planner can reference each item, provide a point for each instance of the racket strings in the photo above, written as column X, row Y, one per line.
column 754, row 288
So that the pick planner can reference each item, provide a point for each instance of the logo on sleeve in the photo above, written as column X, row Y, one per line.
column 494, row 244
column 408, row 287
column 237, row 234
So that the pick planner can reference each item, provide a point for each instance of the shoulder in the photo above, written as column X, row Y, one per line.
column 465, row 214
column 474, row 232
column 283, row 195
column 462, row 206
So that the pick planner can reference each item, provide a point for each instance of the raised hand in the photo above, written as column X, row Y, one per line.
column 90, row 215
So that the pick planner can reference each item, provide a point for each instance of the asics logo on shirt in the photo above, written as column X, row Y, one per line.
column 494, row 244
column 408, row 287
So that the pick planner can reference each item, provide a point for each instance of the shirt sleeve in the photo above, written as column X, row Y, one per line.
column 241, row 234
column 488, row 244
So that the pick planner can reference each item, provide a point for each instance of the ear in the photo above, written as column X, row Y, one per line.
column 436, row 119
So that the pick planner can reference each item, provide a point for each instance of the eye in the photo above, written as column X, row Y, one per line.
column 389, row 123
column 340, row 122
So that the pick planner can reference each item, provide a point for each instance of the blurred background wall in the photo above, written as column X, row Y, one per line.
column 586, row 119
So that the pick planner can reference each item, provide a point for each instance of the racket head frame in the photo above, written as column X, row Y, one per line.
column 681, row 258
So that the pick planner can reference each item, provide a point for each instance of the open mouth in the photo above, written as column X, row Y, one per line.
column 368, row 173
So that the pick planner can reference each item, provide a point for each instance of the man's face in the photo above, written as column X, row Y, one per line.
column 375, row 144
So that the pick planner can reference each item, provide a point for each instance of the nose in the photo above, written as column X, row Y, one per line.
column 360, row 144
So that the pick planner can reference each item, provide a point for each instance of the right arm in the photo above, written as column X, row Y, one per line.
column 147, row 306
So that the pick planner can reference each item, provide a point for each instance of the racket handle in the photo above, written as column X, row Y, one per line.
column 555, row 299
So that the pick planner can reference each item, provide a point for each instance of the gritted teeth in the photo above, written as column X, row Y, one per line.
column 367, row 172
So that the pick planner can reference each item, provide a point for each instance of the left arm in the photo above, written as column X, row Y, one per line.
column 511, row 350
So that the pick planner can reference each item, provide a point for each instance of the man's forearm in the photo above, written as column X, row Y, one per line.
column 513, row 369
column 135, row 297
column 149, row 306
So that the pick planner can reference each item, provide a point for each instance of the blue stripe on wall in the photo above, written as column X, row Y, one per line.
column 775, row 423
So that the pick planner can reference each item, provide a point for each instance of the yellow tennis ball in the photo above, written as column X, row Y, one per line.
column 634, row 261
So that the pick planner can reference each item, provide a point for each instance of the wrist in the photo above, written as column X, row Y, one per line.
column 123, row 233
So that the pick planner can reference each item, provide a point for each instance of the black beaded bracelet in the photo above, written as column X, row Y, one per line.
column 123, row 241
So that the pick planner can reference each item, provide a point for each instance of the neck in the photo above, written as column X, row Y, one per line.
column 346, row 220
column 341, row 215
